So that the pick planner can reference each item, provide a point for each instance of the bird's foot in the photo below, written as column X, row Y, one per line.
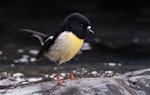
column 59, row 80
column 72, row 77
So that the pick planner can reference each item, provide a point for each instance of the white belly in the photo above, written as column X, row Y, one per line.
column 65, row 48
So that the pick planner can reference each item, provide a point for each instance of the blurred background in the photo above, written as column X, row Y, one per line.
column 121, row 42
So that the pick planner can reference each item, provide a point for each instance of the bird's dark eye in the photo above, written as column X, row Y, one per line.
column 81, row 24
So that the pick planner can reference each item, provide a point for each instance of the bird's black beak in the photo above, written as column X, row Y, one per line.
column 89, row 29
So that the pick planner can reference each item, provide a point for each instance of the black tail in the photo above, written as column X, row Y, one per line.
column 36, row 34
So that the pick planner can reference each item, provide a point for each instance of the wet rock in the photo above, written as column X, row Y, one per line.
column 132, row 83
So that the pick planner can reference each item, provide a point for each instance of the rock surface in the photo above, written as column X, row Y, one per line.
column 132, row 83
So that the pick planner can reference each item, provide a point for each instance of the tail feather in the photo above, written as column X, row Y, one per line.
column 36, row 34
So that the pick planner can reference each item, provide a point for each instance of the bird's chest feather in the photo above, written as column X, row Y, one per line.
column 66, row 46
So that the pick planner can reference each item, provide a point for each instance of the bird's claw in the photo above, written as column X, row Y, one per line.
column 59, row 80
column 72, row 77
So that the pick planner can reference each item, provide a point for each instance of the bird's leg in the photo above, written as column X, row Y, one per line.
column 57, row 68
column 72, row 77
column 58, row 78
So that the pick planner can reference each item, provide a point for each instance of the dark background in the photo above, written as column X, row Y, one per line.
column 120, row 26
column 120, row 44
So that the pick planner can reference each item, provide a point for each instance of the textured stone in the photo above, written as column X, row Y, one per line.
column 132, row 83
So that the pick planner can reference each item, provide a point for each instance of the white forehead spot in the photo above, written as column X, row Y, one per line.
column 89, row 27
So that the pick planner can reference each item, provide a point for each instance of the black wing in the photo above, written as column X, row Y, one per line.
column 48, row 43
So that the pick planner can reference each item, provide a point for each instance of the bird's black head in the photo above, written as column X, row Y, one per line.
column 76, row 23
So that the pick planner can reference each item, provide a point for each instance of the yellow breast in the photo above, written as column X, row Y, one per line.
column 65, row 48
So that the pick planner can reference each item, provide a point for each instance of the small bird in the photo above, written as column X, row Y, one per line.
column 65, row 42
